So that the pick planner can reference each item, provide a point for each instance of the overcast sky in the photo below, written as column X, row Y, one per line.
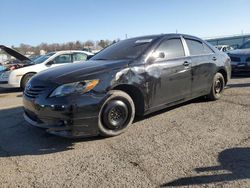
column 59, row 21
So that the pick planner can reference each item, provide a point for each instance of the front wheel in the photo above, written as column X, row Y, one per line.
column 25, row 80
column 116, row 114
column 217, row 87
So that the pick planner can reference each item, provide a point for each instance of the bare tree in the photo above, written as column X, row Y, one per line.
column 89, row 44
column 104, row 43
column 24, row 48
column 78, row 45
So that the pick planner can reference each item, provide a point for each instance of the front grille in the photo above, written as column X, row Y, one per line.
column 235, row 59
column 34, row 91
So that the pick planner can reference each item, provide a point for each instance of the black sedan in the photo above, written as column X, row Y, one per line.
column 240, row 59
column 132, row 77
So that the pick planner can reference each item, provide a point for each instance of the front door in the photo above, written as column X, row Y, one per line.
column 62, row 59
column 171, row 73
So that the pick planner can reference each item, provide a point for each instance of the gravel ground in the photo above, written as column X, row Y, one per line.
column 196, row 144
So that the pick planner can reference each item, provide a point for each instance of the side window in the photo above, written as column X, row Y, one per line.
column 197, row 48
column 79, row 57
column 207, row 49
column 65, row 58
column 172, row 48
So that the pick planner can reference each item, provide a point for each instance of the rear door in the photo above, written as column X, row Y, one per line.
column 172, row 73
column 203, row 65
column 79, row 57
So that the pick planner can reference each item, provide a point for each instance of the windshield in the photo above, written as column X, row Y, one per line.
column 34, row 57
column 42, row 58
column 126, row 49
column 245, row 45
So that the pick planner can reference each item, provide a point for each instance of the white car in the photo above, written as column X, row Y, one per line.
column 18, row 74
column 224, row 48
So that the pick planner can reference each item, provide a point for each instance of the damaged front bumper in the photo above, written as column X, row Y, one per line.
column 66, row 120
column 62, row 129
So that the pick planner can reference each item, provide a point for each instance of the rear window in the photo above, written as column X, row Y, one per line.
column 207, row 49
column 198, row 48
column 79, row 57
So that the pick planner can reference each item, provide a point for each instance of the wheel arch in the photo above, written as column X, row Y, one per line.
column 137, row 96
column 21, row 80
column 224, row 74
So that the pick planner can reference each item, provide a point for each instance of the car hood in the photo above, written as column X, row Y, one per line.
column 240, row 52
column 14, row 53
column 78, row 71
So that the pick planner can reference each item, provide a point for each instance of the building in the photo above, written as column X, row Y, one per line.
column 43, row 52
column 234, row 40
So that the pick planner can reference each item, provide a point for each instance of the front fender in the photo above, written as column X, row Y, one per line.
column 15, row 78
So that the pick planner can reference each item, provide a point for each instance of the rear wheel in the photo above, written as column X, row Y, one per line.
column 117, row 114
column 25, row 79
column 217, row 87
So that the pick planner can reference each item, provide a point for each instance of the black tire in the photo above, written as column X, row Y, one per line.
column 217, row 87
column 117, row 114
column 25, row 79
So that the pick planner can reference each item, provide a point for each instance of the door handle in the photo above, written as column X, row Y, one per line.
column 214, row 58
column 186, row 63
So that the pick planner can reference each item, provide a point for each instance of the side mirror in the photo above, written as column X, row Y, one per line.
column 50, row 63
column 156, row 56
column 151, row 60
column 161, row 55
column 89, row 56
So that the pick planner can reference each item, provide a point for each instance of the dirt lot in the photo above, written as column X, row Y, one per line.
column 196, row 144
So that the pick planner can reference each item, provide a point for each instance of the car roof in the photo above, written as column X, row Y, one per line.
column 165, row 35
column 72, row 51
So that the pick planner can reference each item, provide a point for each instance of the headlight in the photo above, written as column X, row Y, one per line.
column 76, row 87
column 5, row 74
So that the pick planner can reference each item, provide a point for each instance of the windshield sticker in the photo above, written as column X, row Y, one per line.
column 143, row 41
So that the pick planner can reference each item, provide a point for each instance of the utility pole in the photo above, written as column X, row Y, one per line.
column 126, row 36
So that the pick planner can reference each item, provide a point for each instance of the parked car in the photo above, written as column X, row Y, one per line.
column 224, row 48
column 240, row 58
column 132, row 77
column 18, row 73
